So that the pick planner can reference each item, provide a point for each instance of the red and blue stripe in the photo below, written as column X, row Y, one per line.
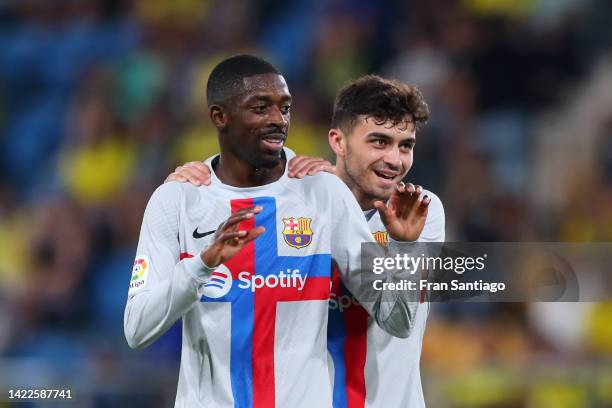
column 254, row 314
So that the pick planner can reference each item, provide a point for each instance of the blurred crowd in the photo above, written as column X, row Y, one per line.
column 100, row 100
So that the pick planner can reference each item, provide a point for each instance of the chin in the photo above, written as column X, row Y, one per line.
column 378, row 193
column 382, row 193
column 260, row 159
column 267, row 161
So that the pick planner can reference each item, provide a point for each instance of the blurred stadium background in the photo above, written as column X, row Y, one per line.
column 100, row 100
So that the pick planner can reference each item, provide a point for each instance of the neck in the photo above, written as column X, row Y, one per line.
column 366, row 201
column 234, row 171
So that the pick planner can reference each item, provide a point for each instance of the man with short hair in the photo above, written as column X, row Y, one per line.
column 373, row 134
column 246, row 261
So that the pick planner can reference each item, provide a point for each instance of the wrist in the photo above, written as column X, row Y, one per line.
column 210, row 258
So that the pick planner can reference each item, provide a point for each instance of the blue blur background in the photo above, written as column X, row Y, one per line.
column 100, row 100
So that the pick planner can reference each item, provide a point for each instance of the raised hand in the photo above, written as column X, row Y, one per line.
column 194, row 172
column 229, row 239
column 301, row 166
column 405, row 213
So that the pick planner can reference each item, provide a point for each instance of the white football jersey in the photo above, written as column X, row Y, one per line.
column 370, row 368
column 254, row 328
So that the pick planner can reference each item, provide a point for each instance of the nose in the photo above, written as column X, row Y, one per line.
column 277, row 118
column 392, row 158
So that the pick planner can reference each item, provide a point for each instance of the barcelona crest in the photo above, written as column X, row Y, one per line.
column 382, row 237
column 297, row 232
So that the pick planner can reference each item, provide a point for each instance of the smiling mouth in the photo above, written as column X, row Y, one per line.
column 274, row 142
column 385, row 176
column 274, row 139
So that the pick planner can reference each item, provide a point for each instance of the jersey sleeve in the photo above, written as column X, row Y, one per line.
column 162, row 287
column 394, row 311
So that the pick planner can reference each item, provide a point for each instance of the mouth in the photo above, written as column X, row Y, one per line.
column 387, row 177
column 273, row 141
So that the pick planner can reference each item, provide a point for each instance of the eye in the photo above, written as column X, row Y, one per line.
column 259, row 108
column 407, row 146
column 379, row 142
column 286, row 109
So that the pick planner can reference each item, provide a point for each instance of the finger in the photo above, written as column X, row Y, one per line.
column 406, row 202
column 239, row 216
column 314, row 166
column 192, row 175
column 330, row 169
column 254, row 233
column 175, row 177
column 327, row 167
column 256, row 210
column 400, row 187
column 394, row 201
column 414, row 202
column 418, row 193
column 298, row 165
column 423, row 208
column 197, row 164
column 198, row 170
column 415, row 205
column 300, row 170
column 199, row 167
column 231, row 235
column 295, row 163
column 383, row 211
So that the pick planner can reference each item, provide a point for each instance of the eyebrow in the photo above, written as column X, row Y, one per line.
column 266, row 98
column 387, row 137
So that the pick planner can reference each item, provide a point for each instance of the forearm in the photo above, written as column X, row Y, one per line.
column 152, row 311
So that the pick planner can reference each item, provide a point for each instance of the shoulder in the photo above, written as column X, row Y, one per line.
column 172, row 194
column 434, row 229
column 169, row 192
column 323, row 183
column 326, row 192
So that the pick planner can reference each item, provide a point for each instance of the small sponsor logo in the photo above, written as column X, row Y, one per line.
column 139, row 272
column 297, row 232
column 219, row 284
column 198, row 235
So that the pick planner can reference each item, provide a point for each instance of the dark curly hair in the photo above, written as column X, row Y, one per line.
column 384, row 100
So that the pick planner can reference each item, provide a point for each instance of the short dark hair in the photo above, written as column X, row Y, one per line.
column 225, row 80
column 384, row 100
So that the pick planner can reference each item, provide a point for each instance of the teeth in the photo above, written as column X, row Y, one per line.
column 385, row 176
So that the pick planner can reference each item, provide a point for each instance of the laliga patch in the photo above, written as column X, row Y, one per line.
column 140, row 272
column 297, row 232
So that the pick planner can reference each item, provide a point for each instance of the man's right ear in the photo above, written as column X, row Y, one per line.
column 218, row 115
column 336, row 141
